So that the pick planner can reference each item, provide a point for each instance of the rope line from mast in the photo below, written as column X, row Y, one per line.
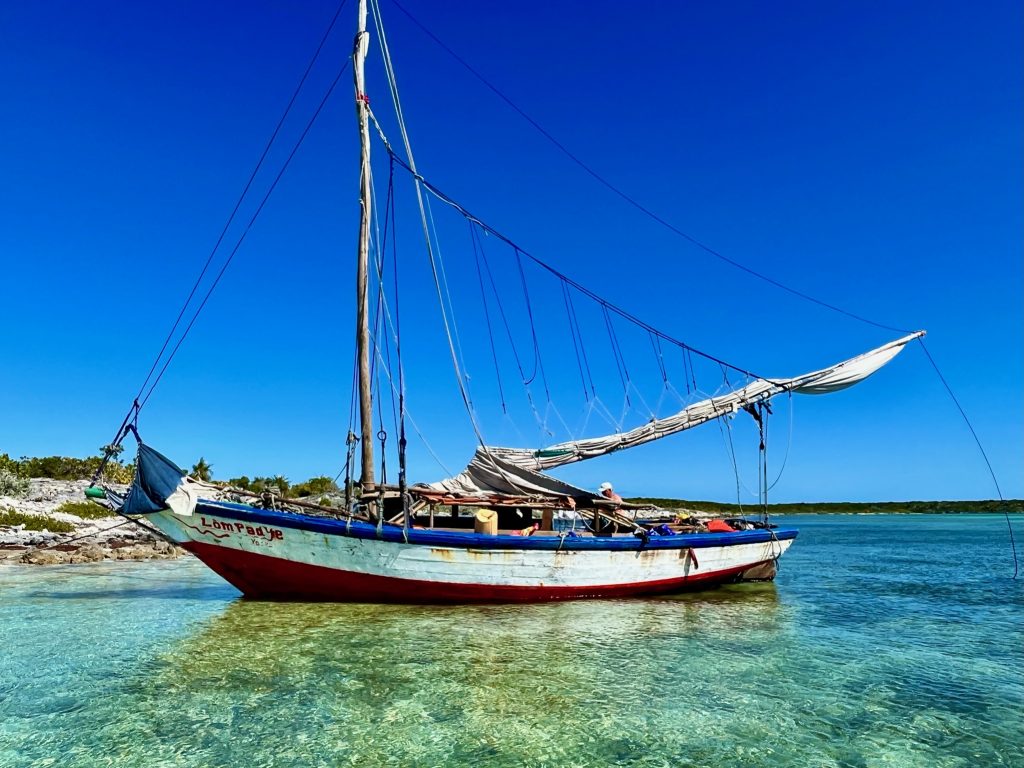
column 575, row 342
column 487, row 314
column 977, row 441
column 626, row 315
column 631, row 200
column 438, row 275
column 411, row 165
column 389, row 214
column 508, row 330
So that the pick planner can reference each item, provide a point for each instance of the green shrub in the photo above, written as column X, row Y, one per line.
column 66, row 468
column 242, row 482
column 12, row 484
column 87, row 510
column 278, row 485
column 7, row 464
column 115, row 472
column 315, row 486
column 34, row 522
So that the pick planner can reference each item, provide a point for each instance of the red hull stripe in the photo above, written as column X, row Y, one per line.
column 264, row 577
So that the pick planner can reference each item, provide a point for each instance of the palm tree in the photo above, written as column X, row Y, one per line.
column 282, row 484
column 114, row 451
column 202, row 471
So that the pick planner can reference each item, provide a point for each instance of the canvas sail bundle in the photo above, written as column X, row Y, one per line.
column 519, row 470
column 161, row 484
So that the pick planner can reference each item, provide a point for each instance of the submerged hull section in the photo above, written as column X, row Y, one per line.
column 271, row 555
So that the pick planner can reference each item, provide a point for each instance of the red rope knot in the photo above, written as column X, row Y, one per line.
column 363, row 98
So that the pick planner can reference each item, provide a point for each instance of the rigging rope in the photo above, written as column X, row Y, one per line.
column 487, row 313
column 508, row 331
column 393, row 88
column 579, row 287
column 977, row 440
column 538, row 362
column 379, row 246
column 575, row 321
column 248, row 227
column 136, row 405
column 620, row 363
column 416, row 429
column 631, row 200
column 575, row 342
column 789, row 443
column 423, row 209
column 723, row 427
column 694, row 241
column 451, row 303
column 397, row 328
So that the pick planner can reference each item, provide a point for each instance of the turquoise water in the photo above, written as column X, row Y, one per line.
column 885, row 641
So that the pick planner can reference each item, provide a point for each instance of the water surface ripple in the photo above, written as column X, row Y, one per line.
column 885, row 641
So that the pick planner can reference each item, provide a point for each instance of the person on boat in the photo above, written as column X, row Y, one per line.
column 606, row 490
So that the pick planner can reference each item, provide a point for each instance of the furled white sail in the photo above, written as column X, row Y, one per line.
column 506, row 470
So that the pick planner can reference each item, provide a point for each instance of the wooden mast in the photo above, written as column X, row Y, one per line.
column 361, row 44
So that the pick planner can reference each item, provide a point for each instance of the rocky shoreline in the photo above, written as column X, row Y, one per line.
column 91, row 540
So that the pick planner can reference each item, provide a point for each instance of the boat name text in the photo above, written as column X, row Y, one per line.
column 257, row 531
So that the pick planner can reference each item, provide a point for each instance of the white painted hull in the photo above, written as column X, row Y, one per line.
column 327, row 561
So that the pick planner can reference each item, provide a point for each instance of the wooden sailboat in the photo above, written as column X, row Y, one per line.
column 416, row 543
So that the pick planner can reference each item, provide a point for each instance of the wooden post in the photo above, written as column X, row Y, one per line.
column 361, row 44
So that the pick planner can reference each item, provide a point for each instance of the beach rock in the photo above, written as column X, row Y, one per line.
column 43, row 557
column 90, row 553
column 42, row 500
column 163, row 547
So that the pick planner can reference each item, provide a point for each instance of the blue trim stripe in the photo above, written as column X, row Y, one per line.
column 435, row 538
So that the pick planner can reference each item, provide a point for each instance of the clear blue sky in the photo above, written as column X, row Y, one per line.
column 869, row 154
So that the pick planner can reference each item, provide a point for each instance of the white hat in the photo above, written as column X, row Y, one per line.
column 604, row 487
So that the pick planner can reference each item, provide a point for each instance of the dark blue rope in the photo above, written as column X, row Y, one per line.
column 561, row 276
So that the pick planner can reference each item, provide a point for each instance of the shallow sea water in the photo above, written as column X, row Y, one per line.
column 885, row 641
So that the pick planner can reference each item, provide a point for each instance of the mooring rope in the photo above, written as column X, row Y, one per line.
column 977, row 441
column 631, row 200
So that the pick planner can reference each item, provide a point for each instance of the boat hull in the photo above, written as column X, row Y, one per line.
column 269, row 555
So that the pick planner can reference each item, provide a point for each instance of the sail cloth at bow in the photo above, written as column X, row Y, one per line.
column 511, row 470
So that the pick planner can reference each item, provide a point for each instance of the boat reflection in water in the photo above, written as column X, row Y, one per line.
column 267, row 639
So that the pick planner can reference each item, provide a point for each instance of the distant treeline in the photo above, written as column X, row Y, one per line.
column 70, row 468
column 64, row 468
column 844, row 507
column 15, row 473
